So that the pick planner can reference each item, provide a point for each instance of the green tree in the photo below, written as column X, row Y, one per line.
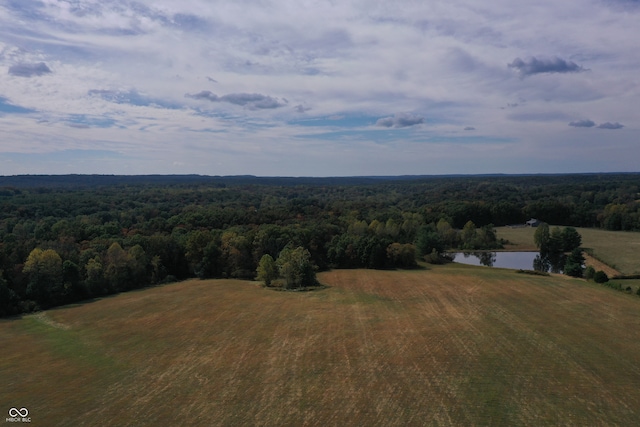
column 448, row 235
column 71, row 278
column 236, row 255
column 589, row 272
column 392, row 228
column 269, row 239
column 117, row 271
column 401, row 255
column 541, row 236
column 295, row 267
column 574, row 264
column 158, row 271
column 342, row 251
column 195, row 245
column 377, row 228
column 45, row 276
column 359, row 228
column 600, row 277
column 211, row 263
column 551, row 250
column 411, row 225
column 267, row 270
column 8, row 298
column 556, row 241
column 138, row 265
column 372, row 251
column 468, row 235
column 70, row 272
column 429, row 240
column 571, row 239
column 95, row 276
column 434, row 258
column 486, row 237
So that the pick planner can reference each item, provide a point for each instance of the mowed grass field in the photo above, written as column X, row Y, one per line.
column 452, row 345
column 618, row 249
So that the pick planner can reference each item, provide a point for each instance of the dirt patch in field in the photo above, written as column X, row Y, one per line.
column 590, row 261
column 42, row 317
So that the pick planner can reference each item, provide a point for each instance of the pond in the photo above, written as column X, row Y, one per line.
column 514, row 260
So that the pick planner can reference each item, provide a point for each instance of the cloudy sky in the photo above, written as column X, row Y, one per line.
column 319, row 88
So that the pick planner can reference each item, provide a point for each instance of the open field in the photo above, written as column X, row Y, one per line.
column 452, row 345
column 620, row 250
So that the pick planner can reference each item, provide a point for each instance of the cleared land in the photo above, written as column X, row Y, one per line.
column 619, row 250
column 452, row 345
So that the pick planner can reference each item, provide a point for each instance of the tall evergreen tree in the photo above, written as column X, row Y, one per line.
column 574, row 266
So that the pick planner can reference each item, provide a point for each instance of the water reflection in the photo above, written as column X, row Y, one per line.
column 548, row 263
column 513, row 260
column 487, row 258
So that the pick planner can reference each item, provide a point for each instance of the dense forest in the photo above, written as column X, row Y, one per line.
column 69, row 238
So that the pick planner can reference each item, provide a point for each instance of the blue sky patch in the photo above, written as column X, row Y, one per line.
column 133, row 97
column 7, row 107
column 338, row 120
column 379, row 136
column 471, row 139
column 84, row 121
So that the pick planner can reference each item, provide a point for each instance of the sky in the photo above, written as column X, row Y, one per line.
column 319, row 88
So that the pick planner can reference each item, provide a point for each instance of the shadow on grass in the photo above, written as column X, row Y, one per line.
column 83, row 302
column 315, row 288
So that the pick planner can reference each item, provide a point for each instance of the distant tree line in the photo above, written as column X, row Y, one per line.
column 64, row 243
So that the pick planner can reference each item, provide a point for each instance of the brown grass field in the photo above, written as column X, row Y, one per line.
column 618, row 250
column 452, row 345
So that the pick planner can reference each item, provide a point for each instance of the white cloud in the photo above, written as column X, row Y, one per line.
column 119, row 72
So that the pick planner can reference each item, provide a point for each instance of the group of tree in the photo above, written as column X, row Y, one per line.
column 554, row 245
column 63, row 239
column 293, row 266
